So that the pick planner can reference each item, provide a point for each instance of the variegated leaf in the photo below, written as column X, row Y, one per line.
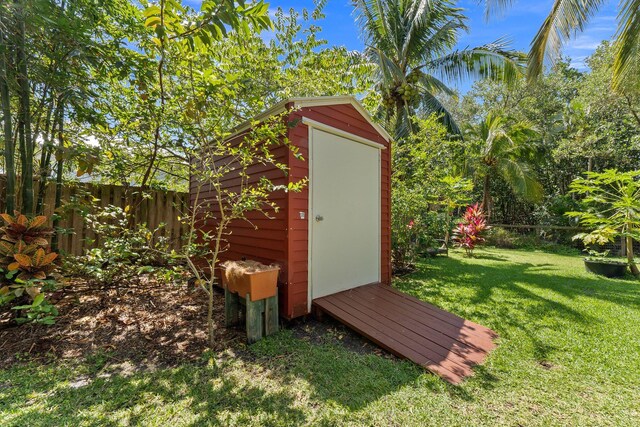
column 38, row 258
column 13, row 266
column 7, row 218
column 40, row 241
column 37, row 221
column 23, row 260
column 20, row 247
column 49, row 258
column 22, row 220
column 7, row 248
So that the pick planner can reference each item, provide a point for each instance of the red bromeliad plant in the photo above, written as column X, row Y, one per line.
column 469, row 232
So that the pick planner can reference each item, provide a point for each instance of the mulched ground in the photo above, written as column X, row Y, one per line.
column 147, row 324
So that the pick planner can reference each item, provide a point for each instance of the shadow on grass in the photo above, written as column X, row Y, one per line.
column 524, row 296
column 273, row 382
column 202, row 395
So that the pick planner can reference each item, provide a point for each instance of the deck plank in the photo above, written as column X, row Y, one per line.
column 441, row 342
column 466, row 336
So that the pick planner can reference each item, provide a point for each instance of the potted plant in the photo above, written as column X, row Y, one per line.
column 612, row 210
column 598, row 263
column 251, row 278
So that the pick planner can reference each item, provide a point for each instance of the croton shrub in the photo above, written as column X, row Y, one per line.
column 26, row 264
column 470, row 231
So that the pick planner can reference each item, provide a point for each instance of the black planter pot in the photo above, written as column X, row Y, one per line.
column 607, row 269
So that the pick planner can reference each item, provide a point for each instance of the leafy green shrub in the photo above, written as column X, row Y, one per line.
column 611, row 209
column 407, row 226
column 506, row 239
column 26, row 264
column 502, row 238
column 125, row 251
column 553, row 209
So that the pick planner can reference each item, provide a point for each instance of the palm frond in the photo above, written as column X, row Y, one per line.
column 565, row 19
column 433, row 30
column 434, row 85
column 441, row 40
column 495, row 7
column 521, row 179
column 387, row 69
column 493, row 60
column 627, row 44
column 429, row 104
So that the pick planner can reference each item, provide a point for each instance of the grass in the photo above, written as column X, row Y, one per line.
column 569, row 354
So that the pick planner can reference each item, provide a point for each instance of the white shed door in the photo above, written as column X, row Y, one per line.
column 345, row 214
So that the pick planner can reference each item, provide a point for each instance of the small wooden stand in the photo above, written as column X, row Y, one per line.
column 261, row 316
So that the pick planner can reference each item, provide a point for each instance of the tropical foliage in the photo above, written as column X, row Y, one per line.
column 498, row 147
column 426, row 192
column 26, row 265
column 566, row 18
column 471, row 230
column 214, row 161
column 411, row 46
column 612, row 208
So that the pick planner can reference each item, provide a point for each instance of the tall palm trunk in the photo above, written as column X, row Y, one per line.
column 9, row 147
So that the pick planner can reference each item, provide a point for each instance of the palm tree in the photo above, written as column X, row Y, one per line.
column 501, row 149
column 411, row 45
column 566, row 18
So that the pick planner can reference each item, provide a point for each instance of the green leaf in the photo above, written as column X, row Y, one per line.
column 151, row 10
column 38, row 300
column 152, row 21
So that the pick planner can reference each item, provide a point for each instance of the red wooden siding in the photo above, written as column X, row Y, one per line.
column 267, row 243
column 284, row 239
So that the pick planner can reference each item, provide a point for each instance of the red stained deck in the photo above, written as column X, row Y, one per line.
column 441, row 342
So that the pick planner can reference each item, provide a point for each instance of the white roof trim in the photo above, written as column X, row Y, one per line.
column 339, row 132
column 317, row 101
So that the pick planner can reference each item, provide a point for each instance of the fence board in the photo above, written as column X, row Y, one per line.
column 162, row 207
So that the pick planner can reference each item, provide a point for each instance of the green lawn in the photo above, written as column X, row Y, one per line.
column 569, row 354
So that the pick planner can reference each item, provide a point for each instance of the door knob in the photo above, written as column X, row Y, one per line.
column 319, row 218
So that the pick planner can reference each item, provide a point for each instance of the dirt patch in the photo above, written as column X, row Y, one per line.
column 150, row 324
column 334, row 332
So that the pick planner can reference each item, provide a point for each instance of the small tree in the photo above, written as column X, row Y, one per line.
column 213, row 164
column 452, row 193
column 612, row 208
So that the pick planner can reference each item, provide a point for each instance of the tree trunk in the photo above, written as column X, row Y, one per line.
column 9, row 147
column 486, row 197
column 26, row 142
column 59, row 171
column 45, row 157
column 630, row 258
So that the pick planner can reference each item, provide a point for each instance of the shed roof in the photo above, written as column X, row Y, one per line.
column 317, row 101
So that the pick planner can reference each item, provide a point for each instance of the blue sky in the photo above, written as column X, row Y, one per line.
column 519, row 24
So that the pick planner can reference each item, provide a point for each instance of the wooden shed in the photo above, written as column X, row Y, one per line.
column 335, row 234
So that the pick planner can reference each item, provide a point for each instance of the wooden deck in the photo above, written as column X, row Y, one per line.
column 441, row 342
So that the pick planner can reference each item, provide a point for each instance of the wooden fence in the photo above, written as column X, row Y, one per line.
column 78, row 199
